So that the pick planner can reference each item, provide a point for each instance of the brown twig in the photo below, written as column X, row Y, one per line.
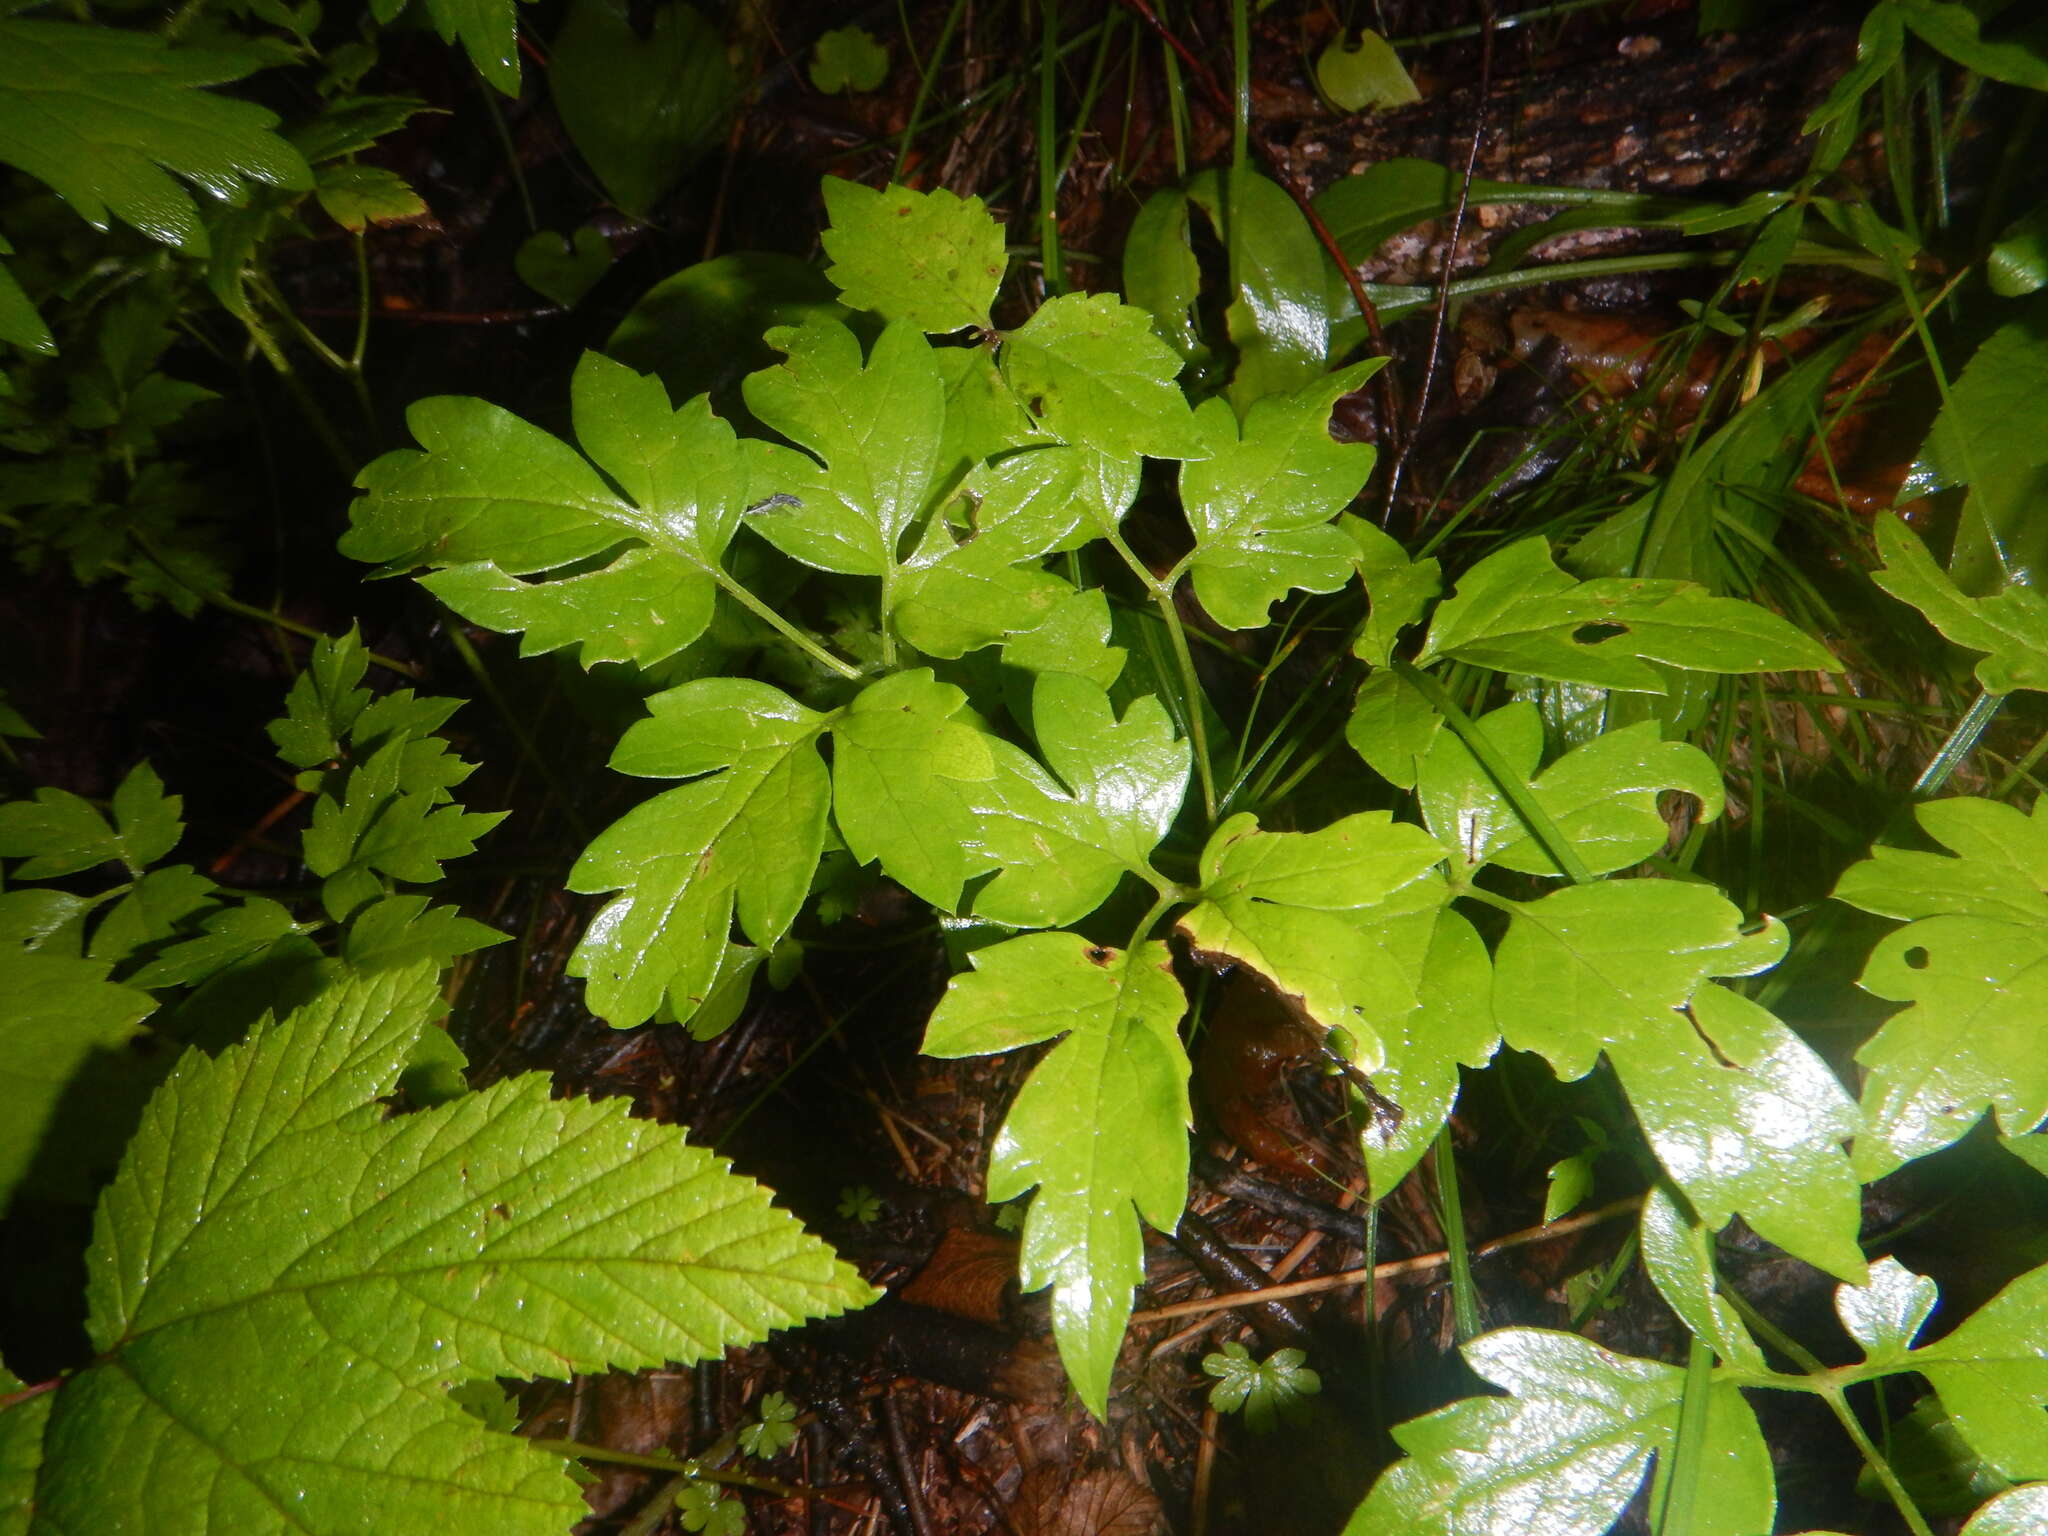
column 1421, row 1263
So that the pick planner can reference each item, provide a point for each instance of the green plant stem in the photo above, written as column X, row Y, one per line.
column 1048, row 148
column 1517, row 793
column 1682, row 1484
column 775, row 621
column 504, row 135
column 1962, row 740
column 1875, row 1459
column 1464, row 1291
column 1184, row 660
column 925, row 79
column 1241, row 86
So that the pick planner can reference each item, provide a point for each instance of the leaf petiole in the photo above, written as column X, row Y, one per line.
column 775, row 621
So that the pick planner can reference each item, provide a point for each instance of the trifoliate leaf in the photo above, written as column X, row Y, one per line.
column 404, row 930
column 1742, row 1113
column 99, row 114
column 1401, row 589
column 642, row 92
column 64, row 1030
column 1261, row 505
column 1970, row 964
column 1364, row 75
column 284, row 1283
column 874, row 431
column 491, row 489
column 741, row 840
column 2011, row 626
column 1602, row 797
column 357, row 196
column 563, row 268
column 57, row 833
column 1091, row 370
column 1566, row 1449
column 848, row 59
column 1300, row 908
column 1993, row 1377
column 932, row 258
column 1515, row 611
column 1099, row 1127
column 1266, row 1391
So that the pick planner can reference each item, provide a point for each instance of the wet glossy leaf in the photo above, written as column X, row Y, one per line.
column 101, row 115
column 298, row 1371
column 1401, row 589
column 1572, row 1440
column 1093, row 373
column 933, row 259
column 639, row 105
column 1970, row 963
column 1887, row 1313
column 1266, row 1391
column 2018, row 264
column 64, row 1028
column 1367, row 74
column 1516, row 611
column 1305, row 910
column 357, row 196
column 740, row 840
column 563, row 268
column 1678, row 1255
column 874, row 431
column 58, row 833
column 1161, row 275
column 1261, row 504
column 1277, row 318
column 848, row 59
column 1992, row 1375
column 2017, row 1512
column 1743, row 1115
column 1100, row 1127
column 1602, row 796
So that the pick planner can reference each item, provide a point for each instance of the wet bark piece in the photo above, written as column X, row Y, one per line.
column 1653, row 110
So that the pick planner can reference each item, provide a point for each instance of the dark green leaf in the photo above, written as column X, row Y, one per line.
column 563, row 268
column 1277, row 316
column 848, row 59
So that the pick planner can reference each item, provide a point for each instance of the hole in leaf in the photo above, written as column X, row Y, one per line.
column 1916, row 957
column 1593, row 634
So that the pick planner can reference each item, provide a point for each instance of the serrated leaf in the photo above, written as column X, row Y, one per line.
column 58, row 833
column 228, row 936
column 64, row 1030
column 490, row 489
column 1092, row 372
column 1301, row 909
column 100, row 115
column 1602, row 796
column 640, row 101
column 392, row 817
column 1742, row 1114
column 1100, row 1127
column 933, row 259
column 1993, row 1377
column 1515, row 611
column 1261, row 505
column 162, row 903
column 739, row 841
column 2010, row 626
column 351, row 125
column 21, row 1452
column 298, row 1370
column 1266, row 1391
column 324, row 701
column 403, row 930
column 357, row 196
column 848, row 59
column 874, row 431
column 1571, row 1441
column 1971, row 967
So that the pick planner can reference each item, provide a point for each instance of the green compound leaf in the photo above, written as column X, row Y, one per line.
column 933, row 259
column 1993, row 1377
column 1515, row 611
column 1092, row 371
column 1602, row 796
column 1970, row 963
column 1099, row 1127
column 64, row 1029
column 324, row 701
column 488, row 30
column 100, row 115
column 394, row 818
column 1743, row 1115
column 1306, row 910
column 1572, row 1441
column 57, row 833
column 284, row 1285
column 2011, row 626
column 1261, row 505
column 741, row 840
column 1266, row 1391
column 928, row 259
column 494, row 498
column 874, row 431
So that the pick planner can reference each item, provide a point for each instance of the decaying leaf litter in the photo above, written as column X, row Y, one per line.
column 924, row 1124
